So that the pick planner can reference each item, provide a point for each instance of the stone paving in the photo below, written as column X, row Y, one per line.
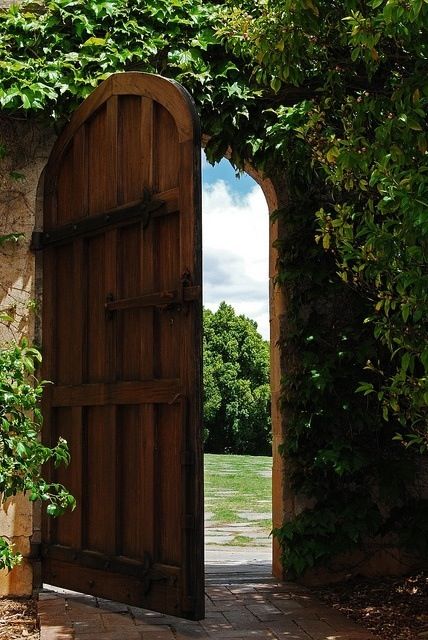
column 242, row 602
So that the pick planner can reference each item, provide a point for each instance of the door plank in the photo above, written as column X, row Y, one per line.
column 101, row 480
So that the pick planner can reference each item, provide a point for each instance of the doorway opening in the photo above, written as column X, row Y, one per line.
column 238, row 433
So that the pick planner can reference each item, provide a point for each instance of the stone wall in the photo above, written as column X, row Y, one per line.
column 27, row 147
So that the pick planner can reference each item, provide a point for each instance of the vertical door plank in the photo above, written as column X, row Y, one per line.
column 168, row 486
column 102, row 158
column 148, row 285
column 80, row 173
column 110, row 411
column 135, row 132
column 136, row 481
column 65, row 321
column 130, row 336
column 95, row 361
column 147, row 141
column 69, row 425
column 166, row 242
column 100, row 504
column 165, row 151
column 65, row 209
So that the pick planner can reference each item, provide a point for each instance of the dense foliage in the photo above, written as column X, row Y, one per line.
column 236, row 384
column 365, row 130
column 332, row 96
column 21, row 452
column 359, row 132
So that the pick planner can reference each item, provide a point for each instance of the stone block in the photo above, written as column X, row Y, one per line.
column 16, row 517
column 18, row 582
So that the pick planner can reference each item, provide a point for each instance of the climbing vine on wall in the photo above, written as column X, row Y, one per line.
column 332, row 96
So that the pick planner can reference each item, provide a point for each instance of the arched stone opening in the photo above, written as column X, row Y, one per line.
column 274, row 195
column 276, row 306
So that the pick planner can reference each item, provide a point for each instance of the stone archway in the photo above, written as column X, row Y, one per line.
column 276, row 306
column 274, row 196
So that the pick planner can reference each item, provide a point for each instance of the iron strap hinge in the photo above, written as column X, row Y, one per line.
column 137, row 211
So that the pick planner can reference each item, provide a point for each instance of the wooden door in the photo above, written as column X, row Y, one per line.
column 122, row 343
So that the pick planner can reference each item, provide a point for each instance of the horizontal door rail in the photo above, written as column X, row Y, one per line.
column 143, row 210
column 166, row 391
column 157, row 299
column 145, row 570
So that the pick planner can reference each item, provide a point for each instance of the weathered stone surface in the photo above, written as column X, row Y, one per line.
column 19, row 582
column 16, row 517
column 28, row 146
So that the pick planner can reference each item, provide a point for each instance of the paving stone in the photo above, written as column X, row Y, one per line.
column 160, row 634
column 228, row 605
column 77, row 609
column 55, row 621
column 186, row 630
column 283, row 626
column 257, row 634
column 346, row 635
column 143, row 627
column 240, row 589
column 289, row 605
column 82, row 598
column 243, row 619
column 92, row 624
column 216, row 623
column 46, row 595
column 292, row 635
column 56, row 633
column 109, row 635
column 117, row 621
column 52, row 603
column 264, row 612
column 317, row 629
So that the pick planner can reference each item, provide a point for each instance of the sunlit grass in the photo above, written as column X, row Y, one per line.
column 238, row 489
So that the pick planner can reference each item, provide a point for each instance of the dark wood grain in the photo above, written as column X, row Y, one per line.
column 122, row 343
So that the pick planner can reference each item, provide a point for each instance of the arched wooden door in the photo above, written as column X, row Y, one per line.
column 122, row 343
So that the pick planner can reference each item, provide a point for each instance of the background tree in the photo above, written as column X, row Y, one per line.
column 236, row 384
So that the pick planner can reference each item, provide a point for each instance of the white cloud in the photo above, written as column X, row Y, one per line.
column 236, row 251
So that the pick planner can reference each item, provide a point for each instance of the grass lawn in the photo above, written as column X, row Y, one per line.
column 238, row 490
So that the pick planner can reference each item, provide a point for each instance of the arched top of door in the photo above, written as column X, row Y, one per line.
column 164, row 91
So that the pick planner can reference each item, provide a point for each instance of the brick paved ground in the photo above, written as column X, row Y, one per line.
column 240, row 605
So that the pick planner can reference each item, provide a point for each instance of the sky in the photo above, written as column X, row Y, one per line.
column 235, row 243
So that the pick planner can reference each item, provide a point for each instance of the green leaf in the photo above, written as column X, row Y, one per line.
column 94, row 42
column 275, row 83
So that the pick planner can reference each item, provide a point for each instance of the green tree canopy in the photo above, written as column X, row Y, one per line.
column 236, row 384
